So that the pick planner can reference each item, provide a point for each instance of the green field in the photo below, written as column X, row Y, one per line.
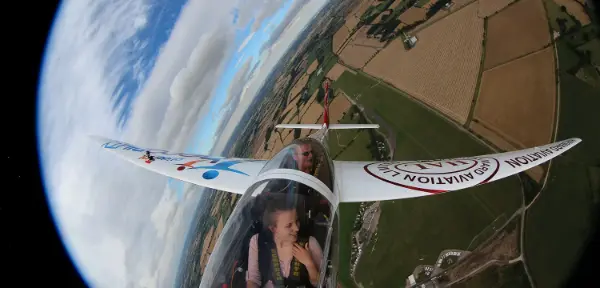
column 422, row 227
column 573, row 189
column 581, row 35
column 347, row 211
column 564, row 211
column 347, row 139
column 589, row 74
column 420, row 3
column 578, row 52
column 593, row 45
column 329, row 60
column 568, row 58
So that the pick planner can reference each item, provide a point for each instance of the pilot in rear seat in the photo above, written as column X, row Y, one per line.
column 278, row 256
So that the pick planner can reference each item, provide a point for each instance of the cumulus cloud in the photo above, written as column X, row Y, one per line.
column 269, row 58
column 163, row 214
column 191, row 89
column 271, row 7
column 290, row 19
column 238, row 83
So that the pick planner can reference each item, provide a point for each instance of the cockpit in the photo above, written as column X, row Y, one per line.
column 280, row 232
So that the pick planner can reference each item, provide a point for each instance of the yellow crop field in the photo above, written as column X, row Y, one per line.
column 442, row 69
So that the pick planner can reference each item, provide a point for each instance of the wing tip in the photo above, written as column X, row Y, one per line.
column 98, row 139
column 574, row 141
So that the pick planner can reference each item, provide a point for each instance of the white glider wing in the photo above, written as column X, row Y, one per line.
column 375, row 181
column 228, row 174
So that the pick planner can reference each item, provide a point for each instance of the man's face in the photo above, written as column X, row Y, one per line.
column 304, row 157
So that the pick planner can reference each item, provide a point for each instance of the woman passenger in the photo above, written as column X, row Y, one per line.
column 298, row 258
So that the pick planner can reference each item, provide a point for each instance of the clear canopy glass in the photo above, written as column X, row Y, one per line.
column 282, row 206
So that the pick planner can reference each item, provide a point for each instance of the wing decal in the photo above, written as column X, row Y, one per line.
column 406, row 179
column 227, row 174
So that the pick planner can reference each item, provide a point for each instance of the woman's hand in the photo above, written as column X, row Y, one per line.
column 303, row 255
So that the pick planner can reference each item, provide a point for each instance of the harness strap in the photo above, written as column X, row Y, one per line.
column 270, row 268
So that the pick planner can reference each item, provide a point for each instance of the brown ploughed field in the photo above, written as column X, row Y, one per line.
column 489, row 7
column 412, row 15
column 517, row 30
column 517, row 102
column 339, row 37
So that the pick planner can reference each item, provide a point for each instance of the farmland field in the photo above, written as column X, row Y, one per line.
column 359, row 10
column 554, row 14
column 412, row 15
column 489, row 7
column 336, row 72
column 339, row 140
column 518, row 89
column 517, row 30
column 313, row 66
column 441, row 13
column 357, row 56
column 360, row 39
column 298, row 87
column 423, row 3
column 575, row 9
column 304, row 107
column 339, row 38
column 328, row 59
column 442, row 69
column 312, row 114
column 418, row 221
column 337, row 107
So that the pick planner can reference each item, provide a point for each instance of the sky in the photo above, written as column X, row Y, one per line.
column 249, row 43
column 162, row 74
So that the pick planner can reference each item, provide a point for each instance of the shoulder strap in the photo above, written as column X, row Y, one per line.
column 268, row 264
column 299, row 274
column 268, row 260
column 297, row 267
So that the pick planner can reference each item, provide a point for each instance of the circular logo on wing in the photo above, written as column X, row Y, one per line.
column 435, row 176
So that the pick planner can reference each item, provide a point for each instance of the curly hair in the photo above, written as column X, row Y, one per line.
column 275, row 203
